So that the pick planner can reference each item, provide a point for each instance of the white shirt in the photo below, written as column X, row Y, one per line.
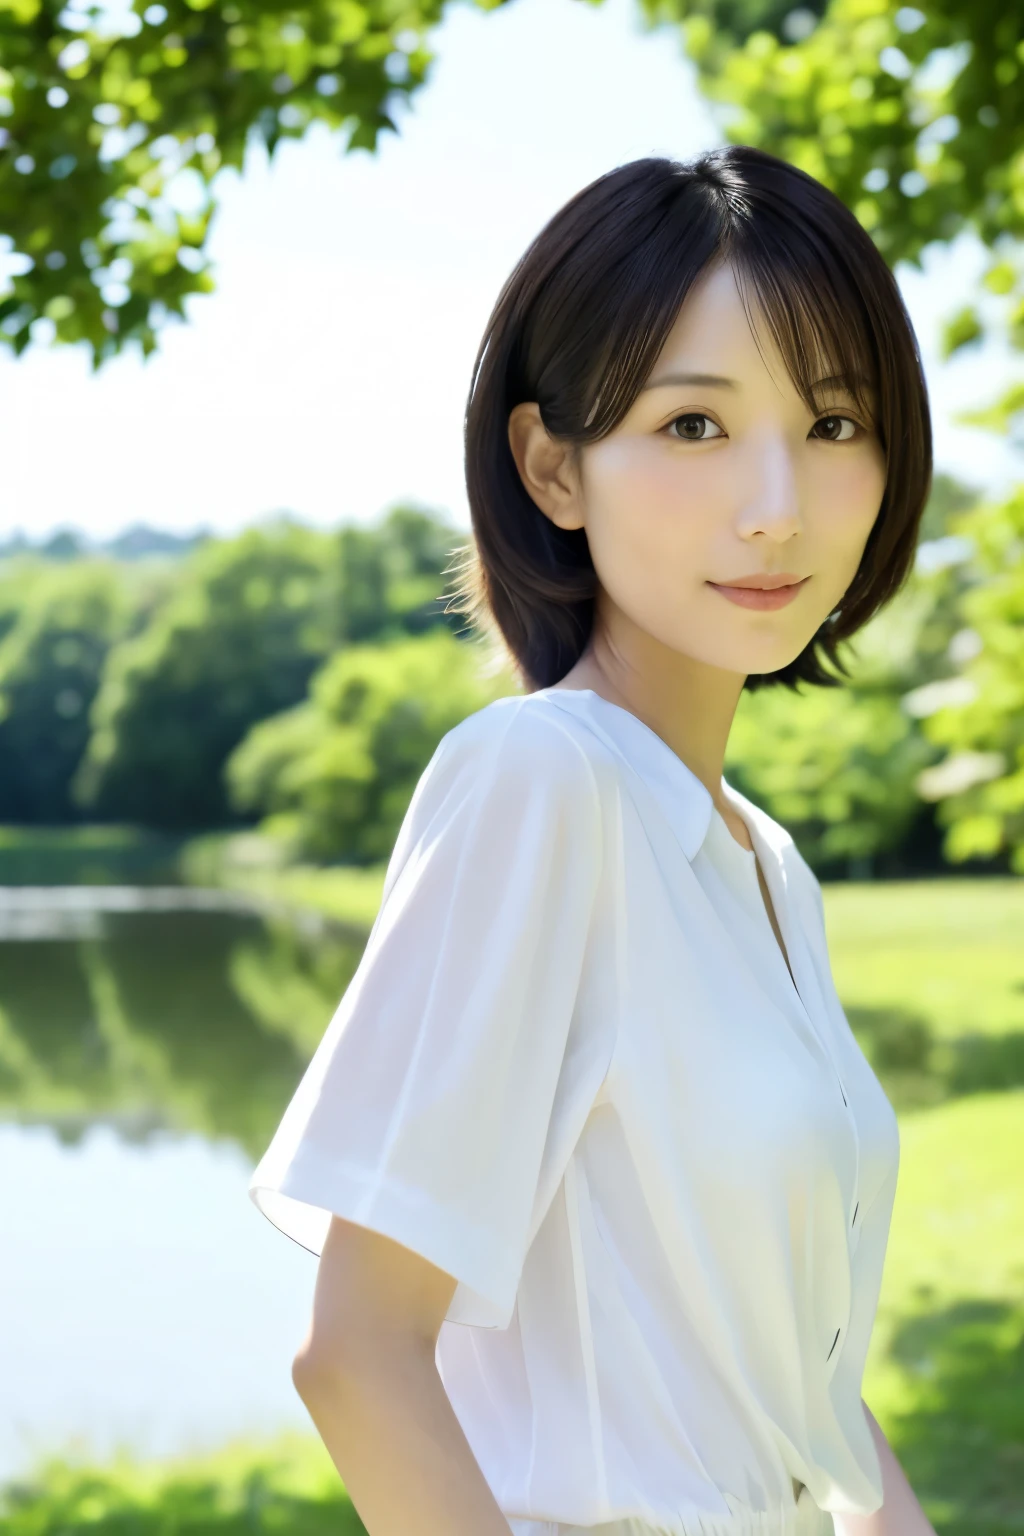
column 573, row 1071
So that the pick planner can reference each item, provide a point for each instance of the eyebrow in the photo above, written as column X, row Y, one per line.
column 712, row 380
column 718, row 381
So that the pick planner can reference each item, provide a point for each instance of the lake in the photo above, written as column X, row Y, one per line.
column 150, row 1038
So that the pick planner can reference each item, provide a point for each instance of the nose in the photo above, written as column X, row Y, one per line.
column 772, row 501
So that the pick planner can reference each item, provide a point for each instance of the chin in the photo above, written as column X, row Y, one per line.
column 763, row 660
column 728, row 657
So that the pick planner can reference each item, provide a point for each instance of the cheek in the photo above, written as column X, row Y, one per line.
column 642, row 512
column 848, row 496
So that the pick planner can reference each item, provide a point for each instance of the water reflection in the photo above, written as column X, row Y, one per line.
column 149, row 1042
column 145, row 1017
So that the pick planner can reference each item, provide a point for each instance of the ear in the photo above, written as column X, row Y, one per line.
column 547, row 466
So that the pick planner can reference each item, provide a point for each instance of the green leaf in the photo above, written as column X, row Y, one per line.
column 960, row 330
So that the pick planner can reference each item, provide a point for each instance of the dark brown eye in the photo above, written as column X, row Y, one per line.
column 834, row 426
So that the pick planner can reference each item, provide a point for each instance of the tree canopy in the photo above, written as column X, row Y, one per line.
column 915, row 117
column 101, row 109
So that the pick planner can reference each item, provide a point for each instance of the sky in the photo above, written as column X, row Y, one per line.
column 327, row 375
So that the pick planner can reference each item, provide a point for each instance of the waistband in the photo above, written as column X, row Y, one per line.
column 802, row 1519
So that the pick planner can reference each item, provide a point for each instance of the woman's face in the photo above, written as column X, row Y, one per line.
column 706, row 481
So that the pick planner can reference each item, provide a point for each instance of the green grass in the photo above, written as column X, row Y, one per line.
column 254, row 864
column 285, row 1485
column 931, row 975
column 350, row 897
column 91, row 854
column 243, row 861
column 945, row 1373
column 89, row 835
column 950, row 950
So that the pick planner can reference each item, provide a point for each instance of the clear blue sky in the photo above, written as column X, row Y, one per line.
column 328, row 373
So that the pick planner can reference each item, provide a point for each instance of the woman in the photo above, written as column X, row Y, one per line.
column 599, row 1179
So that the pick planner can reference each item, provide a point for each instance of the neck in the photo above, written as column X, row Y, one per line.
column 686, row 702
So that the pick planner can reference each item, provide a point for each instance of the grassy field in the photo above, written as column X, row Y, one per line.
column 942, row 957
column 86, row 855
column 285, row 1485
column 249, row 862
column 945, row 1375
column 931, row 975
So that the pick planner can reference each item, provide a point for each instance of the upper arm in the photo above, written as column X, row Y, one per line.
column 369, row 1287
column 427, row 1111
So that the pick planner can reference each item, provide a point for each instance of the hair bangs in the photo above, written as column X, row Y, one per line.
column 818, row 325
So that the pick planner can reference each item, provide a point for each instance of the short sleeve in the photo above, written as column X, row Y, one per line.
column 425, row 1109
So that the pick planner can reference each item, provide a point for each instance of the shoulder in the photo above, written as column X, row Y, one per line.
column 520, row 740
column 511, row 764
column 505, row 788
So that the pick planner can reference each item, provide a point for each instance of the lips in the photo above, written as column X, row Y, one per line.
column 749, row 593
column 763, row 583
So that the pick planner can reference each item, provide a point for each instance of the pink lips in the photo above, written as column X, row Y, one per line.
column 776, row 592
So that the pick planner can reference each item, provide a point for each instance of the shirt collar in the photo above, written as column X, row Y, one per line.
column 682, row 798
column 765, row 833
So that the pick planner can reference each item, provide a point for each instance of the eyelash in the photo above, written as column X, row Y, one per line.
column 703, row 416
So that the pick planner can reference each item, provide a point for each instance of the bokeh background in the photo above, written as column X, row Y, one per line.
column 247, row 249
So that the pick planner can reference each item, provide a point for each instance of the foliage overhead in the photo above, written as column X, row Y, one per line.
column 913, row 115
column 114, row 123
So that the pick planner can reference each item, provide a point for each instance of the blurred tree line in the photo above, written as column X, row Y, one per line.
column 301, row 678
column 126, row 686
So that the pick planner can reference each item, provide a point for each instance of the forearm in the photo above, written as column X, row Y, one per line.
column 900, row 1514
column 400, row 1450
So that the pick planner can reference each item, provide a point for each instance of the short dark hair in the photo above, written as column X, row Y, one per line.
column 578, row 327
